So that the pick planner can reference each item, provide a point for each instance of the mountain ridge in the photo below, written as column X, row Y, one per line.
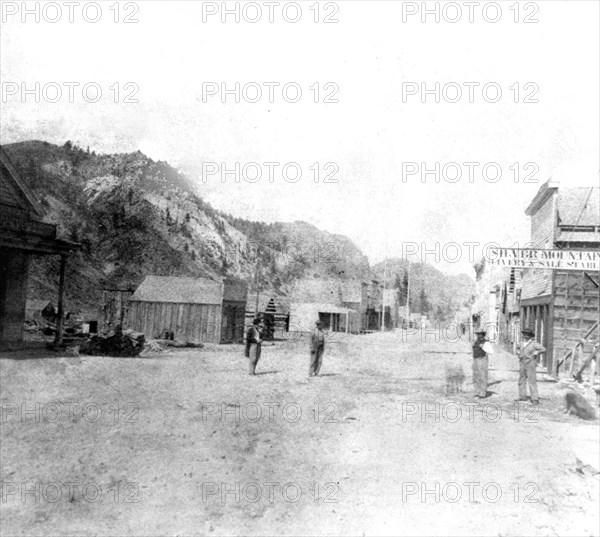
column 134, row 217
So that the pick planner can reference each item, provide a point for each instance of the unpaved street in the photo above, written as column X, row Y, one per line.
column 186, row 443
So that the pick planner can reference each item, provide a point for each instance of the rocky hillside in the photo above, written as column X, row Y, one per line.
column 134, row 217
column 439, row 295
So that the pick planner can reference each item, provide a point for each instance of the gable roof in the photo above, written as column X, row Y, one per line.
column 15, row 191
column 179, row 290
column 36, row 305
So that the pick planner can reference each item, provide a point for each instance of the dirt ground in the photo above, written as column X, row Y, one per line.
column 185, row 442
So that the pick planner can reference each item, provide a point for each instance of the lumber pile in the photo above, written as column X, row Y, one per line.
column 121, row 344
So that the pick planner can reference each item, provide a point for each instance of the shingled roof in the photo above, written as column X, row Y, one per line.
column 13, row 188
column 179, row 290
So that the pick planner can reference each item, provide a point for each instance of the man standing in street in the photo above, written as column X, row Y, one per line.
column 528, row 352
column 317, row 346
column 254, row 344
column 480, row 365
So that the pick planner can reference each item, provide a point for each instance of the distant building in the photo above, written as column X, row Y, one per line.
column 40, row 310
column 489, row 280
column 391, row 302
column 508, row 311
column 371, row 317
column 562, row 305
column 191, row 309
column 272, row 308
column 23, row 235
column 325, row 300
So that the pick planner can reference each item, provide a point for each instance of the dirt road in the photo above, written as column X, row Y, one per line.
column 185, row 443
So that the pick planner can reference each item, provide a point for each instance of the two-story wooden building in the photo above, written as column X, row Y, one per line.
column 562, row 306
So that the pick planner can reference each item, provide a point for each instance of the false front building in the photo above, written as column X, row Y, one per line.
column 562, row 306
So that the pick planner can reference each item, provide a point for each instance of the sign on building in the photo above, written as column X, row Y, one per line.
column 545, row 259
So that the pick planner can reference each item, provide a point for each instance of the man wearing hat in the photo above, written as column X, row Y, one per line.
column 528, row 352
column 317, row 346
column 254, row 344
column 480, row 365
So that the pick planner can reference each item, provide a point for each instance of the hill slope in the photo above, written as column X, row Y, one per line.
column 134, row 217
column 432, row 292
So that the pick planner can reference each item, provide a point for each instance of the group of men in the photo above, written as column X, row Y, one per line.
column 254, row 340
column 528, row 353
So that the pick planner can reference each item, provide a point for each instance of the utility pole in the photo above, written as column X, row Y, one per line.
column 383, row 295
column 408, row 295
column 256, row 283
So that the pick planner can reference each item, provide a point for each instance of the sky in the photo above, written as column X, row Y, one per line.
column 366, row 123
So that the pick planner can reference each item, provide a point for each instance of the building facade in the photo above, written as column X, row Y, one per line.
column 189, row 309
column 327, row 301
column 562, row 306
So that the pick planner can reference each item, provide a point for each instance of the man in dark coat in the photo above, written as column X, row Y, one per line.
column 317, row 347
column 254, row 344
column 480, row 365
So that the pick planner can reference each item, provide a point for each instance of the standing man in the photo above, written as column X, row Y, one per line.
column 317, row 346
column 254, row 344
column 480, row 365
column 528, row 352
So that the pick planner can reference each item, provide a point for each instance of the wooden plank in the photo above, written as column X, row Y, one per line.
column 185, row 321
column 171, row 314
column 147, row 312
column 153, row 321
column 208, row 329
column 196, row 314
column 148, row 319
column 133, row 315
column 179, row 325
column 205, row 329
column 194, row 321
column 215, row 329
column 157, row 319
column 585, row 337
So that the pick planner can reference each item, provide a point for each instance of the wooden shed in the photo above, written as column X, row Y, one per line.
column 39, row 310
column 191, row 309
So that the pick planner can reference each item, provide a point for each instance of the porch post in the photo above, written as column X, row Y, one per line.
column 61, row 297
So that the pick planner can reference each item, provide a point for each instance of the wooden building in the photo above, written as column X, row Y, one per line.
column 372, row 310
column 191, row 309
column 391, row 302
column 508, row 314
column 269, row 304
column 22, row 236
column 40, row 310
column 562, row 306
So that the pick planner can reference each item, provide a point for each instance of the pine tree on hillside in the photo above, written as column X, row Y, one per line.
column 424, row 304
